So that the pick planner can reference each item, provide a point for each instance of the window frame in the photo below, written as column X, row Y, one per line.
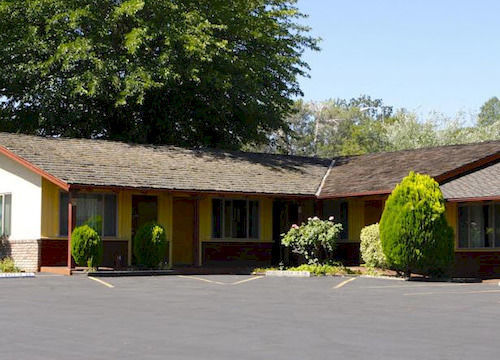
column 2, row 218
column 103, row 195
column 491, row 209
column 223, row 219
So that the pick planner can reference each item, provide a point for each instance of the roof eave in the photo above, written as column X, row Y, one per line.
column 28, row 165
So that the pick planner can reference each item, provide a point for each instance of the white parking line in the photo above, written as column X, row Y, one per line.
column 201, row 279
column 247, row 280
column 338, row 286
column 101, row 282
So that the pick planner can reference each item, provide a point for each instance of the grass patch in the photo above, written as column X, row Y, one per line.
column 7, row 266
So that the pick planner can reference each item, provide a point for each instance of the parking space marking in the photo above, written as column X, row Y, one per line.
column 201, row 279
column 338, row 286
column 453, row 292
column 415, row 286
column 101, row 282
column 247, row 280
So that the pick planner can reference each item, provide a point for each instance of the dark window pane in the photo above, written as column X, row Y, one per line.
column 7, row 214
column 89, row 211
column 489, row 230
column 228, row 218
column 476, row 226
column 497, row 225
column 344, row 208
column 463, row 227
column 254, row 219
column 63, row 214
column 239, row 226
column 110, row 215
column 216, row 218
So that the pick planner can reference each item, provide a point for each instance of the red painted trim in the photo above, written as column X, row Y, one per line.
column 56, row 181
column 365, row 193
column 470, row 199
column 187, row 192
column 70, row 230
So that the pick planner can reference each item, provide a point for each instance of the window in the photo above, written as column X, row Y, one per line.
column 339, row 210
column 238, row 219
column 5, row 214
column 96, row 210
column 479, row 226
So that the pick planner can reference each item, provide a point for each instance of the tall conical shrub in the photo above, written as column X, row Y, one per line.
column 415, row 235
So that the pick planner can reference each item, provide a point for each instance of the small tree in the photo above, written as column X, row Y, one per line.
column 371, row 247
column 86, row 246
column 414, row 233
column 150, row 245
column 315, row 240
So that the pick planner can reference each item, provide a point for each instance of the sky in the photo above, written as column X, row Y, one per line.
column 423, row 55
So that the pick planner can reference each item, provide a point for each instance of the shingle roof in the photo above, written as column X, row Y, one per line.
column 108, row 163
column 380, row 172
column 482, row 183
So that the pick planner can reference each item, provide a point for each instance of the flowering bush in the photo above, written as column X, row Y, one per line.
column 315, row 239
column 371, row 247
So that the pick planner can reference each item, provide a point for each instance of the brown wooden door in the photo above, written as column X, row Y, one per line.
column 373, row 211
column 183, row 231
column 144, row 210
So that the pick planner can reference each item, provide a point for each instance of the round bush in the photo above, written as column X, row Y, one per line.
column 86, row 246
column 150, row 245
column 315, row 240
column 413, row 230
column 371, row 247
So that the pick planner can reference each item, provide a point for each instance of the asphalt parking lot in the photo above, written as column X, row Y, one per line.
column 246, row 317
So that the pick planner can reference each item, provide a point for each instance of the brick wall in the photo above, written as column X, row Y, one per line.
column 25, row 253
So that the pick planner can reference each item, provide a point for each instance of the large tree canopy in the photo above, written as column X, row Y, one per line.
column 190, row 72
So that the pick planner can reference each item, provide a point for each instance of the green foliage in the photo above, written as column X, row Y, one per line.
column 490, row 112
column 95, row 222
column 371, row 247
column 150, row 244
column 325, row 269
column 191, row 72
column 86, row 246
column 415, row 235
column 7, row 265
column 315, row 239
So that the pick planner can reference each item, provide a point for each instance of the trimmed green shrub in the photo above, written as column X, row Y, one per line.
column 150, row 245
column 415, row 235
column 7, row 266
column 315, row 240
column 86, row 246
column 371, row 247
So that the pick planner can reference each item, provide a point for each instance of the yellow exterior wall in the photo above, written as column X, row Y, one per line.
column 452, row 218
column 355, row 218
column 50, row 210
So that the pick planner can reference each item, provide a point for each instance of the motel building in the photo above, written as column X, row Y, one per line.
column 227, row 209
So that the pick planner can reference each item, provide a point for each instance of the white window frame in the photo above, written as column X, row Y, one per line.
column 495, row 245
column 223, row 220
column 103, row 219
column 2, row 219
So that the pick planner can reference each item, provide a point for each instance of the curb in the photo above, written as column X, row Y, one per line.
column 16, row 275
column 286, row 273
column 131, row 273
column 383, row 277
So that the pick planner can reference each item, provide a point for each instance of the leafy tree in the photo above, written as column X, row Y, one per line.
column 413, row 230
column 490, row 112
column 215, row 73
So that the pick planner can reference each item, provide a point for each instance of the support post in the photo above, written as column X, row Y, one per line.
column 71, row 226
column 196, row 237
